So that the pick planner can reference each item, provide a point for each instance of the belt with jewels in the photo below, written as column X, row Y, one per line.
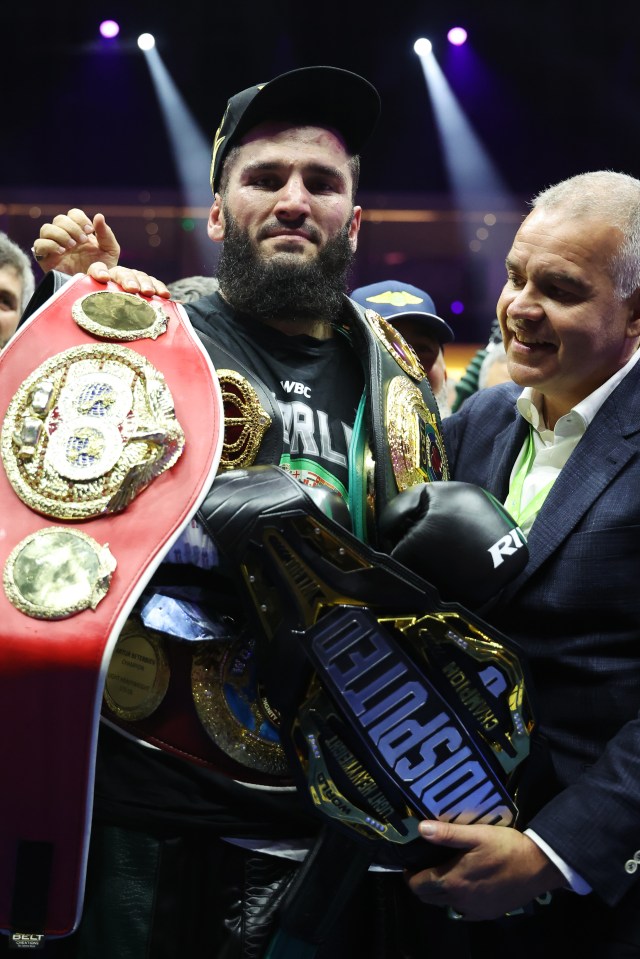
column 105, row 459
column 184, row 677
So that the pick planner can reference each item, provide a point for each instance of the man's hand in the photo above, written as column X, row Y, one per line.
column 497, row 870
column 131, row 281
column 73, row 242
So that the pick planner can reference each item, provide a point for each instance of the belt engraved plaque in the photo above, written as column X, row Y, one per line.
column 138, row 674
column 57, row 572
column 119, row 316
column 417, row 449
column 89, row 430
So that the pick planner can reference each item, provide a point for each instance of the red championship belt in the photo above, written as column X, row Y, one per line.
column 112, row 432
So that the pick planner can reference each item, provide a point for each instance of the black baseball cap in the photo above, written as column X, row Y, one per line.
column 317, row 96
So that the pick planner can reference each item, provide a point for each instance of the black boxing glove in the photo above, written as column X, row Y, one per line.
column 458, row 537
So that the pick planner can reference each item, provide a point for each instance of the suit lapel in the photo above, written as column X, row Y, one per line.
column 506, row 446
column 600, row 455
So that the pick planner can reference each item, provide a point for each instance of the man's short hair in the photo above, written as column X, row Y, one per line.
column 610, row 196
column 11, row 255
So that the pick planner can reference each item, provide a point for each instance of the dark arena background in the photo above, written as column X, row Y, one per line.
column 469, row 131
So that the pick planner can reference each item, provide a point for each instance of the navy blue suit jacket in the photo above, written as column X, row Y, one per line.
column 575, row 611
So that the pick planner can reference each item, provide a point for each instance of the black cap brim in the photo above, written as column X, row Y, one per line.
column 429, row 322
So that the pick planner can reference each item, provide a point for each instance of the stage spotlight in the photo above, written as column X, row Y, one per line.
column 477, row 188
column 109, row 29
column 457, row 36
column 423, row 47
column 472, row 173
column 146, row 41
column 191, row 152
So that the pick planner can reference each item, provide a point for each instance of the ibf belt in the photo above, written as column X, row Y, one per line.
column 111, row 436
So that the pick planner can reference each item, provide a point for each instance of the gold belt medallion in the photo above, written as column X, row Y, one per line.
column 232, row 709
column 57, row 572
column 417, row 449
column 88, row 431
column 245, row 421
column 119, row 316
column 395, row 344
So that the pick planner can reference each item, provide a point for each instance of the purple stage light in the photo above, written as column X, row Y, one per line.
column 109, row 29
column 457, row 36
column 457, row 307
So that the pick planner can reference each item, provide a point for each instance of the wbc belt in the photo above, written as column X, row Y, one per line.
column 112, row 431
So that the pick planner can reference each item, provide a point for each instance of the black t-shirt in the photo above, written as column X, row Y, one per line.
column 318, row 385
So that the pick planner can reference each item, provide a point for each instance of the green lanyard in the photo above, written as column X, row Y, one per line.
column 513, row 502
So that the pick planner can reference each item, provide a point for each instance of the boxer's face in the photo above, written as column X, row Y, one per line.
column 289, row 188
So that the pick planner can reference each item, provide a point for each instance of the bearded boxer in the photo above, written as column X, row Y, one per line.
column 195, row 856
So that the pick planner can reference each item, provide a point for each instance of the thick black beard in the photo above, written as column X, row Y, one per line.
column 283, row 289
